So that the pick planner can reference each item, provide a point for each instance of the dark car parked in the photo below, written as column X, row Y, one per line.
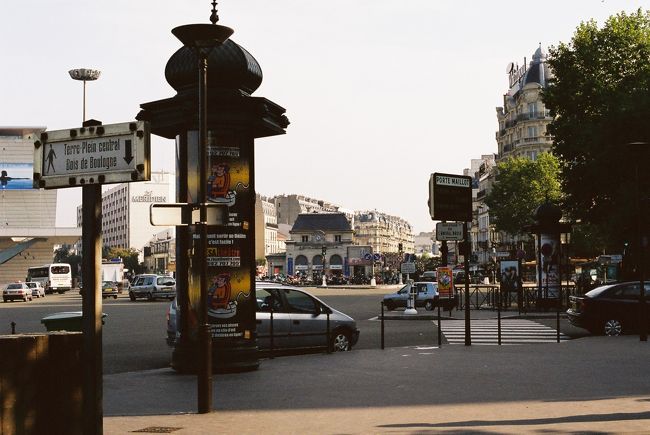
column 609, row 309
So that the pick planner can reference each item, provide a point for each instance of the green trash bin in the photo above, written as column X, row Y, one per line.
column 66, row 321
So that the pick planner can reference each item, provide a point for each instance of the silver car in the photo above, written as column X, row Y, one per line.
column 152, row 286
column 37, row 289
column 299, row 321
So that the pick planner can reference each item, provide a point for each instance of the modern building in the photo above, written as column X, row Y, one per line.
column 383, row 232
column 126, row 211
column 28, row 231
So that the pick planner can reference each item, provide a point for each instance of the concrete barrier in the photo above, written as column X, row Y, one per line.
column 40, row 383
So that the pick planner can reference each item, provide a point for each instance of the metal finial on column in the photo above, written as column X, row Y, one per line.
column 214, row 18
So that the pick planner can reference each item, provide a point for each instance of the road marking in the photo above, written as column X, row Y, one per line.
column 513, row 331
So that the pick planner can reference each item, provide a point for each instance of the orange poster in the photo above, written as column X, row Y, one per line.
column 445, row 282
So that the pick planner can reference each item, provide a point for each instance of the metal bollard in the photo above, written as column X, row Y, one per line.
column 382, row 325
column 13, row 328
column 271, row 328
column 329, row 347
column 439, row 326
column 498, row 292
column 559, row 301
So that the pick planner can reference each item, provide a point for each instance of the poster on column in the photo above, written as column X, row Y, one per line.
column 550, row 259
column 230, row 262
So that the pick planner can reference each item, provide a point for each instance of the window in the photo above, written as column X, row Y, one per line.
column 300, row 302
column 532, row 131
column 305, row 238
column 265, row 298
column 532, row 109
column 337, row 238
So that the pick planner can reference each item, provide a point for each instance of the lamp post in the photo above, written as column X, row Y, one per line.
column 91, row 303
column 643, row 332
column 202, row 38
column 84, row 75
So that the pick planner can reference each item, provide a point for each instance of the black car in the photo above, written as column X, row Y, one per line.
column 609, row 309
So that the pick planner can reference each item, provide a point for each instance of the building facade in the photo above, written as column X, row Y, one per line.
column 266, row 228
column 126, row 211
column 383, row 232
column 28, row 231
column 160, row 252
column 523, row 118
column 316, row 237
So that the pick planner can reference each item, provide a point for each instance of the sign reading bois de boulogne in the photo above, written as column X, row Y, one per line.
column 450, row 197
column 101, row 154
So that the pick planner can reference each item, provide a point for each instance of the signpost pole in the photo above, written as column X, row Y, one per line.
column 468, row 333
column 92, row 310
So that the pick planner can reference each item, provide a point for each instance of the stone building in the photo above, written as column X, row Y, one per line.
column 160, row 252
column 315, row 236
column 383, row 232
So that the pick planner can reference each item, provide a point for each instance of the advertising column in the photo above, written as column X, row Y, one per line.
column 230, row 261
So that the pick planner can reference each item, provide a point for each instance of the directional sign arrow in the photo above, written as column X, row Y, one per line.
column 128, row 151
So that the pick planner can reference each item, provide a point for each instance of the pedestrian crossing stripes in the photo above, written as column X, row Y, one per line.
column 513, row 331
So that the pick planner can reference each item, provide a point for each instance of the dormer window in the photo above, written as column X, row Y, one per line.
column 305, row 239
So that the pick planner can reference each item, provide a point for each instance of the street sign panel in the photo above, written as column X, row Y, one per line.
column 449, row 231
column 407, row 268
column 450, row 197
column 100, row 154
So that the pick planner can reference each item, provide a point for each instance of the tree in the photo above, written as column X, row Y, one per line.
column 64, row 254
column 600, row 100
column 520, row 186
column 129, row 258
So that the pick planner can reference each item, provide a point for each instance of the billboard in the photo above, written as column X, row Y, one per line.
column 16, row 176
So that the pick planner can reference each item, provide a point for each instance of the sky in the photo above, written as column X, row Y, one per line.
column 380, row 94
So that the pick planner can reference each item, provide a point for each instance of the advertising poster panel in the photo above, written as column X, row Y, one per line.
column 230, row 251
column 16, row 176
column 550, row 260
column 509, row 271
column 445, row 282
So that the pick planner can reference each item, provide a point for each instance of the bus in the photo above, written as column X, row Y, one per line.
column 55, row 277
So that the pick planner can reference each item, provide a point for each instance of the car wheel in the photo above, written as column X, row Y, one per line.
column 613, row 327
column 341, row 341
column 429, row 305
column 150, row 297
column 115, row 297
column 4, row 299
column 131, row 296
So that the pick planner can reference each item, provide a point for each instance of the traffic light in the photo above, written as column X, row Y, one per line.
column 399, row 247
column 324, row 251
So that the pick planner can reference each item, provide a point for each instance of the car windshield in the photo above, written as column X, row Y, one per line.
column 14, row 286
column 598, row 291
column 31, row 284
column 165, row 281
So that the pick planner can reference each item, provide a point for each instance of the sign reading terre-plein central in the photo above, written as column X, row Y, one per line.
column 450, row 197
column 101, row 154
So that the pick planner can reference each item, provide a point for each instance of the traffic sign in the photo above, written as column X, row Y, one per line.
column 407, row 268
column 101, row 154
column 449, row 231
column 450, row 197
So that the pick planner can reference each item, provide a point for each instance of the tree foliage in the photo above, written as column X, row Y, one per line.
column 600, row 100
column 129, row 258
column 64, row 254
column 520, row 186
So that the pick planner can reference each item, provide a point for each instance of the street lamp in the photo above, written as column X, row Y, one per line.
column 202, row 38
column 84, row 75
column 91, row 304
column 643, row 332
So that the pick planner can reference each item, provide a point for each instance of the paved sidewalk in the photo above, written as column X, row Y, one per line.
column 596, row 384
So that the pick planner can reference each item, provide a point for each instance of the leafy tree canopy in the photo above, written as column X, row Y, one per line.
column 520, row 186
column 600, row 100
column 129, row 258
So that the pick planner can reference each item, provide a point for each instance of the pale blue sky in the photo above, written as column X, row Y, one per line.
column 380, row 94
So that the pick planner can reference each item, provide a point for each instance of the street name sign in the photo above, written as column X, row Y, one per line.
column 100, row 154
column 449, row 231
column 450, row 197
